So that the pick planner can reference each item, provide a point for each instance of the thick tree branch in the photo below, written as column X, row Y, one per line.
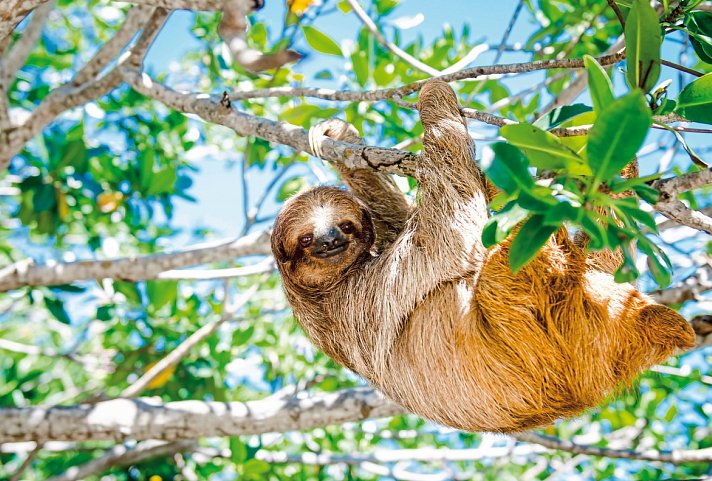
column 26, row 273
column 140, row 419
column 12, row 12
column 674, row 209
column 210, row 109
column 135, row 20
column 20, row 50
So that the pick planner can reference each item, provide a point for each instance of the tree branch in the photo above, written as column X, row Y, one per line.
column 141, row 419
column 675, row 456
column 12, row 12
column 21, row 48
column 68, row 96
column 121, row 455
column 674, row 209
column 26, row 273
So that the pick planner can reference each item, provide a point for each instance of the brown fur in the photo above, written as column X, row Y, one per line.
column 439, row 323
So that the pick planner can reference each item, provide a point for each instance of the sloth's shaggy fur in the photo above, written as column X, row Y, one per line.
column 418, row 307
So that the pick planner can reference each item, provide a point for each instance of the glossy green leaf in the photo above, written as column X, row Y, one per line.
column 321, row 42
column 507, row 168
column 599, row 84
column 543, row 149
column 642, row 41
column 699, row 27
column 533, row 234
column 560, row 114
column 500, row 225
column 695, row 100
column 617, row 135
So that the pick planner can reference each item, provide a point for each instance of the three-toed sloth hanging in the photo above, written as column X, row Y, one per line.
column 409, row 298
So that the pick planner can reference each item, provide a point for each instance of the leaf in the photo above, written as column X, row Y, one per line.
column 507, row 168
column 599, row 83
column 530, row 238
column 321, row 42
column 43, row 198
column 162, row 378
column 161, row 293
column 695, row 100
column 298, row 7
column 500, row 225
column 642, row 41
column 56, row 307
column 699, row 26
column 543, row 149
column 290, row 187
column 560, row 115
column 617, row 134
column 658, row 262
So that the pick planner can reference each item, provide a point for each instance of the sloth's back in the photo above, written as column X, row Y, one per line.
column 515, row 352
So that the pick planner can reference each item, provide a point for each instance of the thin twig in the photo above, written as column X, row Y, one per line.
column 508, row 31
column 17, row 475
column 394, row 49
column 618, row 12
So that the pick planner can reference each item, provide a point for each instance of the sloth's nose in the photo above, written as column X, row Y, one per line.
column 333, row 238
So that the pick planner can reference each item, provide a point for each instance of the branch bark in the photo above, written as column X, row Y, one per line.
column 141, row 419
column 26, row 273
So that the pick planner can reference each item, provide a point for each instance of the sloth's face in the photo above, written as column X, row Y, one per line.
column 319, row 235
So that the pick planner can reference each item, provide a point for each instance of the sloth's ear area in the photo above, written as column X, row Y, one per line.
column 368, row 231
column 277, row 243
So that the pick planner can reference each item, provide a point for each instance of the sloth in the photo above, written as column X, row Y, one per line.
column 410, row 299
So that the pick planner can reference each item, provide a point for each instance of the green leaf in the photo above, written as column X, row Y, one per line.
column 530, row 238
column 321, row 42
column 543, row 149
column 507, row 168
column 627, row 272
column 163, row 181
column 290, row 187
column 699, row 26
column 500, row 225
column 560, row 114
column 56, row 307
column 642, row 41
column 43, row 198
column 617, row 134
column 161, row 293
column 695, row 100
column 658, row 262
column 599, row 84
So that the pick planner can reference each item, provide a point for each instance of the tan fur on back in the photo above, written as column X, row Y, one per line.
column 438, row 323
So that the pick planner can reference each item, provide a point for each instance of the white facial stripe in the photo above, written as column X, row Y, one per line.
column 323, row 218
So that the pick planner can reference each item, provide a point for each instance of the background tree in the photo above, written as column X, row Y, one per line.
column 174, row 355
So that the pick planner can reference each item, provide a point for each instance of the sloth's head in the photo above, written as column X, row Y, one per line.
column 320, row 235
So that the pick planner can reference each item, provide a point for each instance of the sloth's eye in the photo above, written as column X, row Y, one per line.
column 347, row 228
column 305, row 240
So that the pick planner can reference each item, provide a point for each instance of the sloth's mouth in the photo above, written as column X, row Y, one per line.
column 332, row 251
